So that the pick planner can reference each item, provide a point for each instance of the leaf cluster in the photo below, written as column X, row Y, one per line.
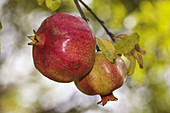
column 126, row 45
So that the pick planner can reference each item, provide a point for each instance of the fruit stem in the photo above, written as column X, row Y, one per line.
column 100, row 21
column 80, row 10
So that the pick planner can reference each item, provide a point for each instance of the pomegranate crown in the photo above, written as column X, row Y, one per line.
column 35, row 39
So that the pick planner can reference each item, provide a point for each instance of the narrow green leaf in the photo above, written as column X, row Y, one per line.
column 0, row 25
column 127, row 43
column 53, row 4
column 137, row 55
column 40, row 2
column 132, row 65
column 107, row 48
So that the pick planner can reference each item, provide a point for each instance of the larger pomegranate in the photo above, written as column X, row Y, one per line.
column 63, row 47
column 103, row 78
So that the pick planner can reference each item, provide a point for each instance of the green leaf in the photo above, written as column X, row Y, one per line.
column 132, row 64
column 138, row 57
column 40, row 2
column 107, row 48
column 0, row 25
column 127, row 43
column 53, row 4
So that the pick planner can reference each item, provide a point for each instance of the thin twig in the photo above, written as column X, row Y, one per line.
column 80, row 10
column 100, row 21
column 83, row 16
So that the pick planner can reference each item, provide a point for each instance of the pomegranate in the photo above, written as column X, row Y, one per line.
column 103, row 79
column 63, row 47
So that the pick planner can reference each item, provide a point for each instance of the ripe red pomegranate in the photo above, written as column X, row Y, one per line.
column 104, row 78
column 63, row 47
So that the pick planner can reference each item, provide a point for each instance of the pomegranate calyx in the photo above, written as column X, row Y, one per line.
column 35, row 39
column 107, row 98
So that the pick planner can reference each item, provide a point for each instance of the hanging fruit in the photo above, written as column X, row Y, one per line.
column 63, row 47
column 104, row 78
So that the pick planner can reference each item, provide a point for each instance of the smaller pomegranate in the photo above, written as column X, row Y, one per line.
column 104, row 78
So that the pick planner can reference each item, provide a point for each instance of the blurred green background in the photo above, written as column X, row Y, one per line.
column 24, row 90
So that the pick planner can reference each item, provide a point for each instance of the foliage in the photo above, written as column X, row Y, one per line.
column 51, row 4
column 127, row 43
column 107, row 48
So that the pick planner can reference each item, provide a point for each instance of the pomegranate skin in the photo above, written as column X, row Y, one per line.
column 103, row 79
column 65, row 49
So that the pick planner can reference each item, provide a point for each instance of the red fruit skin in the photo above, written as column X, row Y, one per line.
column 67, row 48
column 104, row 78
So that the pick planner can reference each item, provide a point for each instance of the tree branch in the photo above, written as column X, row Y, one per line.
column 83, row 16
column 100, row 21
column 80, row 10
